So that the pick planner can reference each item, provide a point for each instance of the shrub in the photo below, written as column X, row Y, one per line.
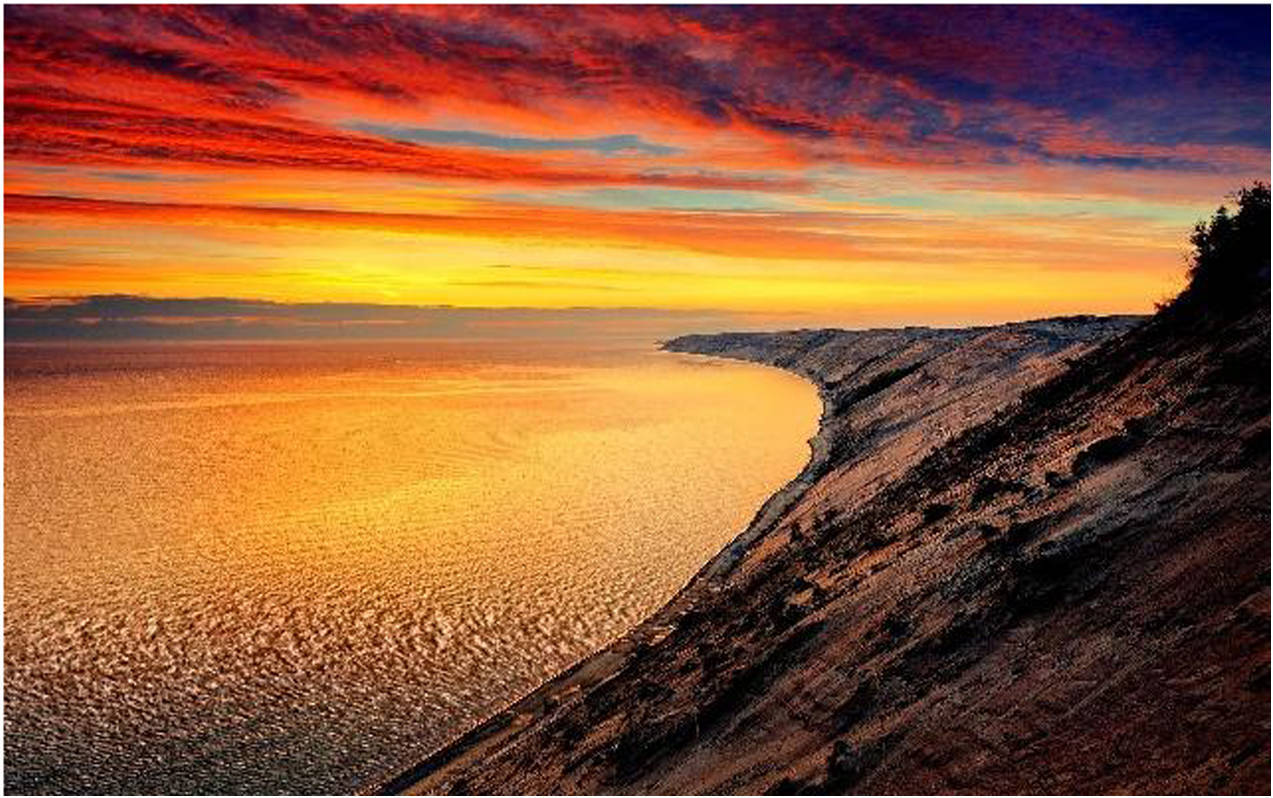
column 989, row 488
column 935, row 512
column 1102, row 452
column 1231, row 252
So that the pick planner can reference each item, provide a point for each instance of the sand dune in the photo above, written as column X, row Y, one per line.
column 1031, row 558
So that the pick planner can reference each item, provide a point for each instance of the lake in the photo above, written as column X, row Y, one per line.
column 292, row 567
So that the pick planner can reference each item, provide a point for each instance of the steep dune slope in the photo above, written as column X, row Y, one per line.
column 1073, row 597
column 1032, row 558
column 1070, row 596
column 891, row 397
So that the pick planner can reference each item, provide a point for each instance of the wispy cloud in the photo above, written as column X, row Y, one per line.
column 223, row 85
column 605, row 145
column 130, row 317
column 144, row 143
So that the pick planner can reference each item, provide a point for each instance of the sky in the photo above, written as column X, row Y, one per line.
column 851, row 165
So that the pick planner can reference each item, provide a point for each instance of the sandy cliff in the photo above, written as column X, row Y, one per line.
column 1023, row 558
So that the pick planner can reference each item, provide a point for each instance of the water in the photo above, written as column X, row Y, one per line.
column 292, row 568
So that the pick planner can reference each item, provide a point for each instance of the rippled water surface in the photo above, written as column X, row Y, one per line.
column 252, row 567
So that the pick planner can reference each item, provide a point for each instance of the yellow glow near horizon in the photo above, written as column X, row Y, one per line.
column 677, row 261
column 531, row 162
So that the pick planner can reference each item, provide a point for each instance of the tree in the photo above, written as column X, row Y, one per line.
column 1229, row 264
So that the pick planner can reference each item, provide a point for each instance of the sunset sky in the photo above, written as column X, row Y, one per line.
column 851, row 165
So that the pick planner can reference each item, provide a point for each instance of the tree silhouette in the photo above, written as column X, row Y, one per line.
column 1229, row 265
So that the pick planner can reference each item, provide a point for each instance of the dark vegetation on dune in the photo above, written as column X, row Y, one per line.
column 1229, row 266
column 1030, row 558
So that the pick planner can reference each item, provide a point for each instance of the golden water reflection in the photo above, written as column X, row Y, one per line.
column 287, row 567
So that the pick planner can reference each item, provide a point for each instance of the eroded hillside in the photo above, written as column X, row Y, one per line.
column 1031, row 558
column 1070, row 596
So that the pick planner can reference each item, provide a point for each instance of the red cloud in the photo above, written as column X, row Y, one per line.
column 746, row 88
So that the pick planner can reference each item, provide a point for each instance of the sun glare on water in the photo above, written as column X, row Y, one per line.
column 230, row 565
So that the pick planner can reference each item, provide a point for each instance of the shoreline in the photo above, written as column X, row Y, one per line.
column 830, row 447
column 595, row 668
